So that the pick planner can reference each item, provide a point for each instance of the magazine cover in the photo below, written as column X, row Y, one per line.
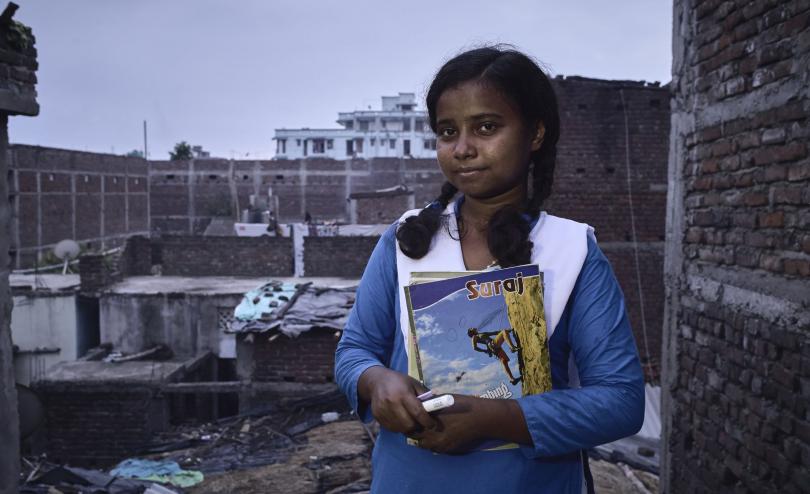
column 481, row 334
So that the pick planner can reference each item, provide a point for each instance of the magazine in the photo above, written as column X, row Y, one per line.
column 479, row 333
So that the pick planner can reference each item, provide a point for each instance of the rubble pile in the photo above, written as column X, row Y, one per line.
column 306, row 445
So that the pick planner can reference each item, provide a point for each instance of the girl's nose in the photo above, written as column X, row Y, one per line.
column 464, row 148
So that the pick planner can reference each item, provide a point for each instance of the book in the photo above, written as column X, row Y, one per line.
column 479, row 333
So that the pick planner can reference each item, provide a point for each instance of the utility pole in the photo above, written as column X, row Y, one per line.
column 145, row 148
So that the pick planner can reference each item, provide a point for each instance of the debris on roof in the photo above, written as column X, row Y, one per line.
column 397, row 190
column 163, row 471
column 292, row 309
column 46, row 478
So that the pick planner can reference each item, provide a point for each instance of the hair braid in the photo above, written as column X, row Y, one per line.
column 416, row 232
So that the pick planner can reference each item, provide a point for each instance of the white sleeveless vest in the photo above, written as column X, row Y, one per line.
column 560, row 248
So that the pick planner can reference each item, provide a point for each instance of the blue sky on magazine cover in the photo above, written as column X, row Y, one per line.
column 449, row 363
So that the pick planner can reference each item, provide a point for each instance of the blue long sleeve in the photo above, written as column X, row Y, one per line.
column 368, row 337
column 608, row 405
column 610, row 402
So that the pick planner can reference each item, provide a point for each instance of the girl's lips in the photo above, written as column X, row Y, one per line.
column 467, row 172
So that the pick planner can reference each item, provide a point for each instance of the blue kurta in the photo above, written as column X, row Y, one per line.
column 609, row 405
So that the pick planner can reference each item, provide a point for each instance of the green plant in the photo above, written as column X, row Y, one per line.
column 182, row 151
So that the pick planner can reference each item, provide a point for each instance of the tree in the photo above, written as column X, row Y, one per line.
column 135, row 153
column 182, row 151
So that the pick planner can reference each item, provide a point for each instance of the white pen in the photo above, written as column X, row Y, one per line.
column 438, row 403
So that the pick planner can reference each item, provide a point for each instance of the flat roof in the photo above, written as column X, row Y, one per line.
column 43, row 282
column 138, row 371
column 213, row 285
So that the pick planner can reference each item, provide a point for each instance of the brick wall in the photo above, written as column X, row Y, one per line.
column 96, row 426
column 736, row 377
column 309, row 358
column 344, row 257
column 611, row 174
column 95, row 199
column 226, row 256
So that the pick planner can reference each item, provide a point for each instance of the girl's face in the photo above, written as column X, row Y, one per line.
column 483, row 144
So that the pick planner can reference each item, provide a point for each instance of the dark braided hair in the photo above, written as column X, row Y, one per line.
column 520, row 79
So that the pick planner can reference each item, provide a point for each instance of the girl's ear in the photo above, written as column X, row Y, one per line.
column 539, row 134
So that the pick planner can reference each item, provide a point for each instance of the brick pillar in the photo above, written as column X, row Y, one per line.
column 9, row 418
column 94, row 275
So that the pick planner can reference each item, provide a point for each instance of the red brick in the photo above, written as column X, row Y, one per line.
column 702, row 183
column 792, row 111
column 775, row 172
column 695, row 235
column 797, row 267
column 747, row 140
column 721, row 148
column 730, row 163
column 800, row 171
column 797, row 23
column 777, row 154
column 771, row 263
column 774, row 219
column 755, row 198
column 709, row 165
column 758, row 239
column 787, row 194
column 746, row 258
column 709, row 134
column 744, row 179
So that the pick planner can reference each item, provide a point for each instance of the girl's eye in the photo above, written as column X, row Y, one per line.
column 487, row 128
column 447, row 132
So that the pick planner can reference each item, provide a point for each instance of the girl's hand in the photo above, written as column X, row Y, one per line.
column 458, row 429
column 471, row 420
column 393, row 400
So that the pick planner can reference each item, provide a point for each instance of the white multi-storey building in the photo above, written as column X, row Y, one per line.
column 398, row 130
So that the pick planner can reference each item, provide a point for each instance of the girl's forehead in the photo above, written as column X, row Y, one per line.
column 473, row 98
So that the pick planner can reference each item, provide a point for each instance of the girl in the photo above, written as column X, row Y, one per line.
column 495, row 114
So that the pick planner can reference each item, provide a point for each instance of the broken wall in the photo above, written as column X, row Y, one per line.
column 188, row 323
column 736, row 383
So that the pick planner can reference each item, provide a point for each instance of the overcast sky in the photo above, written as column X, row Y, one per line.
column 225, row 74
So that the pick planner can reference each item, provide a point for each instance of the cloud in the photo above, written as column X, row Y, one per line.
column 426, row 326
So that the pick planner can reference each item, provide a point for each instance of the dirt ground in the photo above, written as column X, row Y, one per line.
column 335, row 460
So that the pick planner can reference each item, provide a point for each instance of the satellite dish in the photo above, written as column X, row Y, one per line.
column 67, row 250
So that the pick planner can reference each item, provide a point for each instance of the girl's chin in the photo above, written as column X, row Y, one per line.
column 482, row 190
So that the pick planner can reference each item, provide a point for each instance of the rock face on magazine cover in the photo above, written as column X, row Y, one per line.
column 529, row 325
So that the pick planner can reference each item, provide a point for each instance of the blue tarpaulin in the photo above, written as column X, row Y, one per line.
column 165, row 471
